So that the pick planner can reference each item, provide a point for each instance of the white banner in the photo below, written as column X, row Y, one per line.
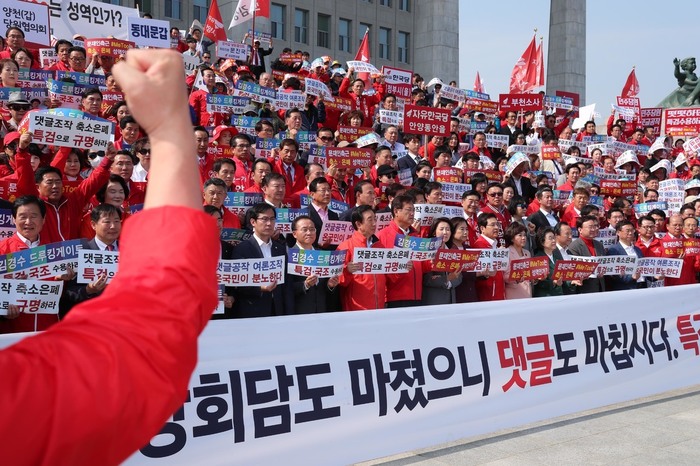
column 190, row 63
column 363, row 67
column 31, row 17
column 31, row 296
column 452, row 93
column 70, row 132
column 318, row 88
column 93, row 264
column 146, row 32
column 251, row 272
column 497, row 140
column 230, row 49
column 496, row 260
column 90, row 19
column 427, row 213
column 403, row 379
column 287, row 100
column 335, row 232
column 396, row 75
column 390, row 117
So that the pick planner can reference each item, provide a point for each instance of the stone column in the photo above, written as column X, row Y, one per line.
column 436, row 39
column 566, row 61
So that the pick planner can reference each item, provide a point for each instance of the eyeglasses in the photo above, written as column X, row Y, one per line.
column 499, row 194
column 144, row 151
column 306, row 230
column 76, row 59
column 265, row 219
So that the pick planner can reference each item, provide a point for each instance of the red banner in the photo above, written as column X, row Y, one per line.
column 574, row 96
column 682, row 121
column 426, row 120
column 342, row 104
column 447, row 175
column 672, row 247
column 573, row 270
column 516, row 102
column 529, row 268
column 451, row 260
column 491, row 175
column 484, row 106
column 350, row 133
column 350, row 157
column 691, row 246
column 618, row 188
column 113, row 47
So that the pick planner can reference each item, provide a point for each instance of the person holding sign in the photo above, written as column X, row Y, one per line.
column 311, row 294
column 361, row 291
column 125, row 333
column 490, row 285
column 516, row 240
column 440, row 287
column 355, row 92
column 318, row 210
column 547, row 246
column 625, row 247
column 587, row 246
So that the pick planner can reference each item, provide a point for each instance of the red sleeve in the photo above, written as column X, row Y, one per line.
column 93, row 183
column 344, row 86
column 119, row 364
column 560, row 127
column 60, row 159
column 25, row 175
column 609, row 125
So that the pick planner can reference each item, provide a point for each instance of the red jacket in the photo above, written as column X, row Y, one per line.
column 504, row 219
column 364, row 103
column 198, row 102
column 402, row 286
column 359, row 291
column 24, row 322
column 63, row 222
column 103, row 353
column 655, row 248
column 489, row 288
column 691, row 264
column 290, row 185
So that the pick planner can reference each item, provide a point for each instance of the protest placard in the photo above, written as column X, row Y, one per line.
column 616, row 265
column 390, row 117
column 190, row 63
column 287, row 100
column 146, row 32
column 618, row 188
column 447, row 175
column 47, row 57
column 251, row 272
column 421, row 248
column 363, row 67
column 68, row 131
column 651, row 116
column 426, row 213
column 30, row 296
column 452, row 93
column 558, row 102
column 335, row 232
column 451, row 260
column 551, row 153
column 264, row 147
column 231, row 49
column 323, row 264
column 349, row 157
column 682, row 121
column 382, row 260
column 520, row 102
column 31, row 17
column 646, row 207
column 224, row 103
column 93, row 264
column 284, row 218
column 255, row 92
column 235, row 235
column 498, row 141
column 496, row 260
column 352, row 133
column 238, row 202
column 317, row 88
column 114, row 47
column 46, row 261
column 607, row 237
column 89, row 18
column 529, row 268
column 570, row 270
column 81, row 79
column 426, row 120
column 7, row 224
column 452, row 192
column 659, row 267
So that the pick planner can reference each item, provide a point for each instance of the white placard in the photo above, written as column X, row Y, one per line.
column 231, row 49
column 146, row 32
column 659, row 266
column 382, row 260
column 497, row 140
column 70, row 132
column 427, row 213
column 335, row 232
column 251, row 272
column 363, row 67
column 31, row 17
column 32, row 296
column 93, row 264
column 317, row 88
column 90, row 19
column 47, row 57
column 390, row 117
column 287, row 100
column 191, row 63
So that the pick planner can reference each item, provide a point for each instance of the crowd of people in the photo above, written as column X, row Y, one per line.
column 510, row 197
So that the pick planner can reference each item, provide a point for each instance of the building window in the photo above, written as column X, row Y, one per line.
column 385, row 43
column 113, row 2
column 172, row 9
column 403, row 40
column 200, row 10
column 361, row 29
column 405, row 5
column 144, row 5
column 323, row 30
column 277, row 21
column 386, row 3
column 301, row 26
column 344, row 28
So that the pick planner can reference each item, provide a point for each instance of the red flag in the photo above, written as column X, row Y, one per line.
column 363, row 55
column 523, row 76
column 478, row 84
column 540, row 65
column 262, row 8
column 631, row 88
column 214, row 27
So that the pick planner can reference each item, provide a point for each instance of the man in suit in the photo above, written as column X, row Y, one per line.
column 106, row 220
column 510, row 129
column 410, row 160
column 625, row 247
column 226, row 254
column 586, row 246
column 256, row 58
column 318, row 211
column 268, row 300
column 364, row 195
column 545, row 216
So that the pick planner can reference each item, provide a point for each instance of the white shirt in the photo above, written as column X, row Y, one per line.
column 139, row 173
column 564, row 254
column 266, row 248
column 103, row 246
column 30, row 244
column 492, row 242
column 550, row 217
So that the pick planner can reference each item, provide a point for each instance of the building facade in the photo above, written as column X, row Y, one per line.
column 418, row 35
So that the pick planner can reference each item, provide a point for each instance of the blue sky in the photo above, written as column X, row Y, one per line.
column 619, row 35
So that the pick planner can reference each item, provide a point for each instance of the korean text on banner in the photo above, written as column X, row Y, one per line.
column 251, row 272
column 146, row 32
column 93, row 264
column 31, row 17
column 31, row 296
column 91, row 19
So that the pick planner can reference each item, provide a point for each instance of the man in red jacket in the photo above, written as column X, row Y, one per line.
column 355, row 92
column 670, row 241
column 287, row 166
column 359, row 291
column 103, row 353
column 490, row 286
column 403, row 289
column 495, row 205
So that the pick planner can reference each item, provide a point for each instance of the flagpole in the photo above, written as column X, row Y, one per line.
column 252, row 39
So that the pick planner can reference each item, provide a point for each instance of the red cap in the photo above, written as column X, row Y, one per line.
column 243, row 69
column 11, row 137
column 221, row 128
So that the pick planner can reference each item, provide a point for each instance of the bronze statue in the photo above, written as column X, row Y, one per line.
column 688, row 92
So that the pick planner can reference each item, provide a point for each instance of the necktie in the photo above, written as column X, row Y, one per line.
column 110, row 247
column 289, row 173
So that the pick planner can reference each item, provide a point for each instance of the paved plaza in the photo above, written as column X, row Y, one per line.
column 657, row 430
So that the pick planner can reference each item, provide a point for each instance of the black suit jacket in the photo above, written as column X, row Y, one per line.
column 75, row 293
column 226, row 254
column 318, row 223
column 406, row 162
column 251, row 301
column 540, row 221
column 529, row 191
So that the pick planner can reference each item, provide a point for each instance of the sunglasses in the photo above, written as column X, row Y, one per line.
column 326, row 138
column 19, row 107
column 144, row 151
column 94, row 155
